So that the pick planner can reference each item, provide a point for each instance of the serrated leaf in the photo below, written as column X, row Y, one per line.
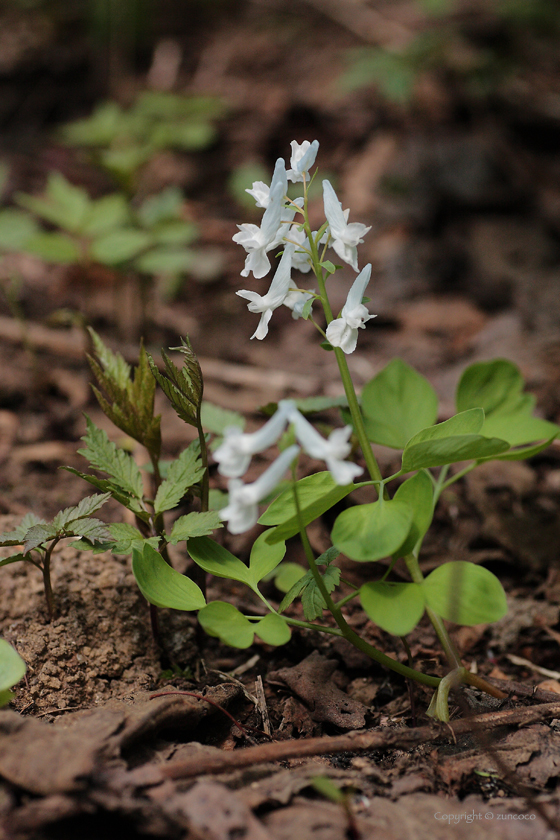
column 165, row 260
column 63, row 204
column 195, row 524
column 182, row 474
column 465, row 593
column 273, row 630
column 36, row 535
column 312, row 600
column 396, row 404
column 107, row 485
column 128, row 400
column 84, row 509
column 418, row 492
column 17, row 536
column 91, row 529
column 104, row 455
column 16, row 228
column 12, row 666
column 163, row 206
column 13, row 558
column 163, row 586
column 125, row 536
column 106, row 214
column 395, row 607
column 372, row 531
column 183, row 387
column 225, row 622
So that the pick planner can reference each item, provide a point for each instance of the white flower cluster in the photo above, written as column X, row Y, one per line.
column 278, row 227
column 235, row 452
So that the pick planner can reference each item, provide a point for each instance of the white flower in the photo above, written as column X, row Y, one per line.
column 261, row 192
column 258, row 240
column 242, row 510
column 235, row 452
column 301, row 259
column 343, row 331
column 332, row 451
column 296, row 299
column 345, row 237
column 302, row 159
column 279, row 288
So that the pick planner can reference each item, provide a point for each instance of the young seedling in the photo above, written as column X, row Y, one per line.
column 37, row 538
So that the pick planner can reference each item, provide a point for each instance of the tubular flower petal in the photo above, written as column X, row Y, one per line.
column 242, row 511
column 257, row 241
column 332, row 451
column 296, row 299
column 343, row 331
column 301, row 259
column 279, row 288
column 235, row 452
column 261, row 192
column 345, row 237
column 302, row 159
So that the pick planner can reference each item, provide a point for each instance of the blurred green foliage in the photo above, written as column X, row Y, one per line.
column 478, row 51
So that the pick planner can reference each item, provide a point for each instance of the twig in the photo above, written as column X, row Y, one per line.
column 261, row 705
column 355, row 742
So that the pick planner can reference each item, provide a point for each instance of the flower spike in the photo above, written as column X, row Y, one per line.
column 343, row 331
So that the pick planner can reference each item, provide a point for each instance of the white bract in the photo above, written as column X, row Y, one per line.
column 235, row 452
column 242, row 511
column 302, row 159
column 343, row 331
column 257, row 241
column 261, row 192
column 275, row 297
column 332, row 451
column 344, row 237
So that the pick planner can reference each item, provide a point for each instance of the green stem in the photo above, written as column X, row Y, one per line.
column 336, row 613
column 46, row 570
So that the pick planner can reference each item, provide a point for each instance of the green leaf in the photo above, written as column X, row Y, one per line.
column 119, row 246
column 329, row 267
column 316, row 493
column 226, row 623
column 395, row 607
column 17, row 536
column 37, row 535
column 104, row 455
column 372, row 531
column 16, row 228
column 519, row 428
column 495, row 386
column 273, row 630
column 63, row 204
column 195, row 524
column 216, row 419
column 451, row 450
column 92, row 530
column 217, row 560
column 467, row 423
column 465, row 593
column 107, row 485
column 163, row 586
column 312, row 600
column 315, row 405
column 182, row 474
column 184, row 386
column 128, row 402
column 84, row 509
column 418, row 493
column 126, row 536
column 99, row 129
column 264, row 558
column 396, row 404
column 105, row 215
column 288, row 574
column 12, row 666
column 13, row 558
column 165, row 261
column 174, row 232
column 53, row 247
column 161, row 207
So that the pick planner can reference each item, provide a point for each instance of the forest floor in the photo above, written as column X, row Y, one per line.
column 465, row 269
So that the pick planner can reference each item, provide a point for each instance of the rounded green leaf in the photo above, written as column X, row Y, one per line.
column 225, row 622
column 217, row 560
column 370, row 532
column 418, row 492
column 273, row 630
column 395, row 607
column 451, row 450
column 264, row 558
column 119, row 246
column 465, row 593
column 493, row 386
column 287, row 575
column 161, row 585
column 12, row 666
column 397, row 403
